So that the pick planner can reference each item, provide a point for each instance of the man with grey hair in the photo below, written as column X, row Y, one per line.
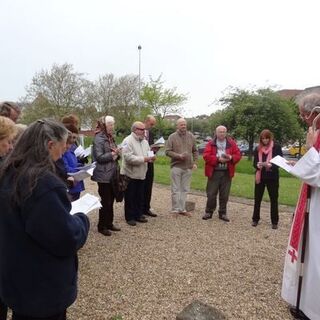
column 181, row 148
column 301, row 276
column 135, row 157
column 220, row 155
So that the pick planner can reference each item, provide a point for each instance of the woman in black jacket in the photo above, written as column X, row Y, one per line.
column 267, row 175
column 106, row 154
column 39, row 239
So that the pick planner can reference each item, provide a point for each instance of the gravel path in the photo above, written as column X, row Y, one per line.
column 152, row 271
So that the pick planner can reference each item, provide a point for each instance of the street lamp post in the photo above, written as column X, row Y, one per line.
column 139, row 101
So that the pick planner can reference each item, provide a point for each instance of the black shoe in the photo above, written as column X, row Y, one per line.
column 142, row 219
column 274, row 226
column 254, row 223
column 131, row 223
column 105, row 232
column 207, row 216
column 151, row 214
column 224, row 218
column 114, row 228
column 298, row 314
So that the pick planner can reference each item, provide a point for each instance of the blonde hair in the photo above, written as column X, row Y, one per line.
column 7, row 128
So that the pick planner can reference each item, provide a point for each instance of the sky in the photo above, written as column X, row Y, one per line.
column 203, row 47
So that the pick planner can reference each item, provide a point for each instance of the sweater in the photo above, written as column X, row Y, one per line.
column 178, row 144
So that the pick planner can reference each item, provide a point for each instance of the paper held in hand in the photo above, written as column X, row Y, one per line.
column 85, row 204
column 82, row 153
column 159, row 143
column 282, row 163
column 83, row 173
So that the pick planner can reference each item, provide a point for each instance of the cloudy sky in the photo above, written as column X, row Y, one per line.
column 201, row 47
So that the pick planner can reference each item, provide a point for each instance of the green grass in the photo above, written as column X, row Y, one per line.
column 242, row 184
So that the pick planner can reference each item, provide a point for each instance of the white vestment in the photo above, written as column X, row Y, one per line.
column 308, row 170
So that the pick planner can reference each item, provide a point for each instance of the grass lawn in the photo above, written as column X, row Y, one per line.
column 242, row 183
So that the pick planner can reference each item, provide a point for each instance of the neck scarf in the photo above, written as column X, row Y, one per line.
column 268, row 151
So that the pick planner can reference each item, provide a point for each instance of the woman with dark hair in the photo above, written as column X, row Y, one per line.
column 39, row 238
column 267, row 175
column 106, row 154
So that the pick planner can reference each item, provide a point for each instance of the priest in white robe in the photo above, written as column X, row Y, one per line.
column 308, row 170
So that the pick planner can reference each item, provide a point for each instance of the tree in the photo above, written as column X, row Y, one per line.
column 125, row 101
column 57, row 92
column 161, row 101
column 247, row 113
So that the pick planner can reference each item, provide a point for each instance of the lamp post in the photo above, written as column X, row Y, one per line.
column 139, row 101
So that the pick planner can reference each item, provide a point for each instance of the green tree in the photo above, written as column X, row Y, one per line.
column 247, row 113
column 161, row 101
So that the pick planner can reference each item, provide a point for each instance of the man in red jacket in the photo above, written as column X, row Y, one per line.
column 220, row 155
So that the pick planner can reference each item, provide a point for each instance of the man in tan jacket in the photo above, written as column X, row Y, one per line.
column 135, row 157
column 181, row 148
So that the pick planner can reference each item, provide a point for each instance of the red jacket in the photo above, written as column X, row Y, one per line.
column 211, row 160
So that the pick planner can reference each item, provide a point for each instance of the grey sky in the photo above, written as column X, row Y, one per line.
column 201, row 47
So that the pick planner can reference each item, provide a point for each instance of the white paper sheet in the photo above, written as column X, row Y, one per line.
column 159, row 143
column 81, row 175
column 82, row 153
column 282, row 163
column 85, row 204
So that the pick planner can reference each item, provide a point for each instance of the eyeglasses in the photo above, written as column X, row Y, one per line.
column 142, row 129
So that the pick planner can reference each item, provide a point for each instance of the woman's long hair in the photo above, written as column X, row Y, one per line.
column 30, row 157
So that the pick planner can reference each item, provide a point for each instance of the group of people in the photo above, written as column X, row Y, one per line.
column 36, row 195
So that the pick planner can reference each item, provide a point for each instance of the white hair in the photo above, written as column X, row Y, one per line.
column 109, row 120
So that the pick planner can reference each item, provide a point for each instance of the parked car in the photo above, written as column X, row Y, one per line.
column 201, row 147
column 286, row 150
column 244, row 149
column 295, row 151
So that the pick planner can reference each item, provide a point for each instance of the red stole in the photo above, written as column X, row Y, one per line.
column 298, row 220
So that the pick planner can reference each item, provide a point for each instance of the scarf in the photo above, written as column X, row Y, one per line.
column 268, row 151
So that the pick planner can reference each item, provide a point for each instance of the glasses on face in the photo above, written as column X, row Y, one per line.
column 142, row 129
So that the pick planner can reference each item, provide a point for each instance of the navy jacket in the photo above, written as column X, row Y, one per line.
column 39, row 241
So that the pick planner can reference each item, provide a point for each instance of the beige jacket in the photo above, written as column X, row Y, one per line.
column 178, row 144
column 133, row 153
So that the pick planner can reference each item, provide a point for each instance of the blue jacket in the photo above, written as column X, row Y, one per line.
column 71, row 164
column 39, row 241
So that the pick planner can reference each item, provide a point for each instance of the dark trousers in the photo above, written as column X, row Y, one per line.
column 60, row 316
column 106, row 194
column 148, row 182
column 273, row 191
column 134, row 200
column 3, row 311
column 220, row 182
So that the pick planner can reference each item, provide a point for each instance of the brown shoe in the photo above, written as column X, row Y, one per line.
column 185, row 213
column 254, row 223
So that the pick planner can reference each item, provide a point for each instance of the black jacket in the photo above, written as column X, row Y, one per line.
column 39, row 241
